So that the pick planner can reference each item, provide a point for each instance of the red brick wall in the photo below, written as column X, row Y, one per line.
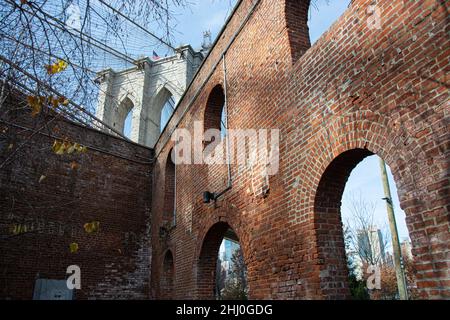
column 112, row 185
column 357, row 91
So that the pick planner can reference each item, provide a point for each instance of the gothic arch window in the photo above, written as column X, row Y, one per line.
column 124, row 117
column 165, row 105
column 166, row 112
column 127, row 124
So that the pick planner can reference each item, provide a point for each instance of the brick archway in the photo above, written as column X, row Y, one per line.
column 328, row 223
column 167, row 276
column 207, row 260
column 349, row 140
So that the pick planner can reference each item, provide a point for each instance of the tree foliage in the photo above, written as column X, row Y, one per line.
column 50, row 53
column 236, row 282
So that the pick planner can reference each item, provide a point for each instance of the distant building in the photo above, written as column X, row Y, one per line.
column 406, row 249
column 389, row 259
column 371, row 247
column 226, row 251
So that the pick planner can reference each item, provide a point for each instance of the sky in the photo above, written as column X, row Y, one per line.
column 365, row 179
column 211, row 15
column 203, row 15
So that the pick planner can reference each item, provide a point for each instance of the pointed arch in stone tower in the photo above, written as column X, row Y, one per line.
column 148, row 85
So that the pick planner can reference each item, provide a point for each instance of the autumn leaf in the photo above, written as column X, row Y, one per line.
column 53, row 101
column 15, row 229
column 80, row 148
column 91, row 227
column 73, row 247
column 42, row 178
column 18, row 229
column 58, row 147
column 35, row 104
column 74, row 165
column 63, row 100
column 56, row 67
column 61, row 147
column 70, row 148
column 65, row 146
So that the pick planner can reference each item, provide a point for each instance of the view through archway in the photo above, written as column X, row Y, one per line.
column 222, row 273
column 367, row 234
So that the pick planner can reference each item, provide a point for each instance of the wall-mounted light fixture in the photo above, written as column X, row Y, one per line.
column 208, row 196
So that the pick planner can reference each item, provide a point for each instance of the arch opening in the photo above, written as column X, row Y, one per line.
column 157, row 114
column 167, row 277
column 323, row 14
column 353, row 234
column 222, row 273
column 166, row 112
column 124, row 117
column 169, row 191
column 215, row 117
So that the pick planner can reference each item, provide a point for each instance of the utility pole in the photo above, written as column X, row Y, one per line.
column 398, row 261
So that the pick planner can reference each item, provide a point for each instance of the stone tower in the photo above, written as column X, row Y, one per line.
column 143, row 90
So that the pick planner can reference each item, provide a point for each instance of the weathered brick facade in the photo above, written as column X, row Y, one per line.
column 356, row 92
column 114, row 261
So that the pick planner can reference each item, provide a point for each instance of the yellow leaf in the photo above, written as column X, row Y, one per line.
column 54, row 102
column 42, row 178
column 57, row 67
column 62, row 100
column 58, row 147
column 80, row 148
column 73, row 247
column 19, row 228
column 65, row 145
column 91, row 226
column 88, row 227
column 15, row 229
column 70, row 148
